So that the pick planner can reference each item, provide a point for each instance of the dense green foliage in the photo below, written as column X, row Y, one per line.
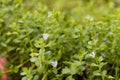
column 61, row 39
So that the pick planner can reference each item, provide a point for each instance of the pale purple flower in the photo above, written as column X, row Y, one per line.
column 54, row 63
column 93, row 54
column 45, row 36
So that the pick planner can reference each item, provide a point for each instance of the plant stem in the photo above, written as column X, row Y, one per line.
column 116, row 72
column 103, row 78
column 45, row 75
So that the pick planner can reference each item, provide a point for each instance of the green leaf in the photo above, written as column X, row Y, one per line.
column 104, row 72
column 16, row 70
column 24, row 78
column 65, row 70
column 36, row 77
column 100, row 59
column 33, row 59
column 110, row 77
column 93, row 64
column 69, row 78
column 96, row 73
column 22, row 73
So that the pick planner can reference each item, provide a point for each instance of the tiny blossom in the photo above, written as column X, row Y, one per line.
column 92, row 54
column 54, row 63
column 45, row 36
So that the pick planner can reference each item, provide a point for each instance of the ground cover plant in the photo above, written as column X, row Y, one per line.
column 60, row 39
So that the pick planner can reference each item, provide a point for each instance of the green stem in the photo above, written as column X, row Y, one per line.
column 45, row 75
column 116, row 73
column 22, row 64
column 103, row 78
column 91, row 77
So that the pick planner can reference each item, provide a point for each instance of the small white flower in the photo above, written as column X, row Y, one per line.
column 93, row 54
column 54, row 63
column 45, row 36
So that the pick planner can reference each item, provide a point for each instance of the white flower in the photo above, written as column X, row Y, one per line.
column 45, row 36
column 54, row 63
column 93, row 54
